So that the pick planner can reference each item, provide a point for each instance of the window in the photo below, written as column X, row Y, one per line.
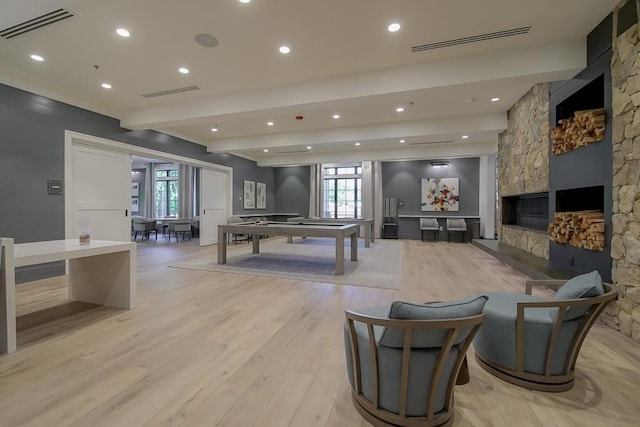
column 166, row 193
column 342, row 196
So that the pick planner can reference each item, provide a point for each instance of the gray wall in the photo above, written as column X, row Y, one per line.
column 32, row 151
column 403, row 181
column 292, row 184
column 255, row 174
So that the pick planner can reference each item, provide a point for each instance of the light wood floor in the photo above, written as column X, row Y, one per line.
column 221, row 349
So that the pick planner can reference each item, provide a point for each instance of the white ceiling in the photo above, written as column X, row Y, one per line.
column 343, row 60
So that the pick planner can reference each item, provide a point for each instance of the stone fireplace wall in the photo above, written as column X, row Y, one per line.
column 625, row 242
column 523, row 163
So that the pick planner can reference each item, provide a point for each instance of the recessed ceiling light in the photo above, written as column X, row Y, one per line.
column 266, row 150
column 336, row 116
column 244, row 1
column 400, row 109
column 393, row 27
column 402, row 141
column 214, row 129
column 106, row 85
column 270, row 123
column 37, row 58
column 183, row 70
column 123, row 32
column 284, row 49
column 495, row 99
column 308, row 147
column 357, row 143
column 465, row 136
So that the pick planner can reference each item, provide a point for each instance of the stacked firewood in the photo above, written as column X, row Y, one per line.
column 584, row 229
column 585, row 127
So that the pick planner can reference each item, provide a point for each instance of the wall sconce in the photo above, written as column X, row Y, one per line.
column 439, row 164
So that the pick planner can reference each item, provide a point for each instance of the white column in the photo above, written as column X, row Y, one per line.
column 377, row 197
column 367, row 189
column 487, row 196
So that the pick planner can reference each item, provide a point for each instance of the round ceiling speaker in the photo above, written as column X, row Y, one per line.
column 206, row 40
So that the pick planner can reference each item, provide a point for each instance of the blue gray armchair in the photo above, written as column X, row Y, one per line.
column 534, row 342
column 403, row 362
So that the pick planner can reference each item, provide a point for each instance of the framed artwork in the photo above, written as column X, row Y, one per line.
column 249, row 195
column 134, row 204
column 261, row 195
column 135, row 189
column 440, row 194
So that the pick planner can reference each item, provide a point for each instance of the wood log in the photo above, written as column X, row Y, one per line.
column 585, row 127
column 583, row 229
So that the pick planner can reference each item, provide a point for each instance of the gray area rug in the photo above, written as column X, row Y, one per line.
column 312, row 259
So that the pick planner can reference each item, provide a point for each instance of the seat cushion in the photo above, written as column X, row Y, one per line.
column 496, row 339
column 394, row 337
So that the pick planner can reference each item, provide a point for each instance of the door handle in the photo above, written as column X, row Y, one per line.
column 126, row 213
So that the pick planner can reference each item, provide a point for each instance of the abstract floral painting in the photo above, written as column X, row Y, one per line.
column 440, row 194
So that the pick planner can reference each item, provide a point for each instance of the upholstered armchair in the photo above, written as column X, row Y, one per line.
column 144, row 226
column 534, row 342
column 233, row 236
column 430, row 224
column 180, row 226
column 403, row 361
column 456, row 225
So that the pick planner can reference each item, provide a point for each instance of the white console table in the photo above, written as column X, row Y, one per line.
column 101, row 272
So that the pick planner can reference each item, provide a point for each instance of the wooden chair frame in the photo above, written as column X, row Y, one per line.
column 548, row 382
column 370, row 409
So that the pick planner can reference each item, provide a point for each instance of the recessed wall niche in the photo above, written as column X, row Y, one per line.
column 580, row 119
column 591, row 96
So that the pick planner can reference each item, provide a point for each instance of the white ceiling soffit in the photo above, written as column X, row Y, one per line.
column 434, row 151
column 548, row 62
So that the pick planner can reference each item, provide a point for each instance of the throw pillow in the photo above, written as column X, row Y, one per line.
column 582, row 286
column 393, row 337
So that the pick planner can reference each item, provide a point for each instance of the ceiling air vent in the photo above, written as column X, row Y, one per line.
column 292, row 152
column 35, row 23
column 425, row 143
column 471, row 39
column 170, row 91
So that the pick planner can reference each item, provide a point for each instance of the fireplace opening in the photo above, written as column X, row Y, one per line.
column 580, row 199
column 526, row 210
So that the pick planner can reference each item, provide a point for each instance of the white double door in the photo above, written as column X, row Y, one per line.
column 100, row 190
column 99, row 187
column 213, row 212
